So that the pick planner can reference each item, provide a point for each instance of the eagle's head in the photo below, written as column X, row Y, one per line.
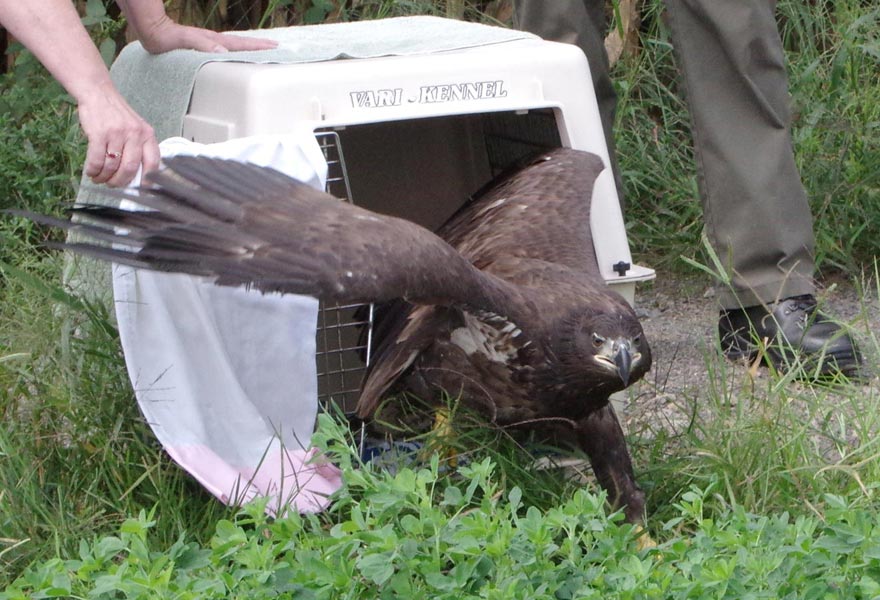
column 616, row 344
column 604, row 352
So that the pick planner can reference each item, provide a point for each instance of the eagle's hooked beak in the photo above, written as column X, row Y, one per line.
column 617, row 355
column 623, row 360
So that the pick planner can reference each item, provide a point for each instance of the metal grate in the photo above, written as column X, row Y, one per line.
column 513, row 136
column 344, row 331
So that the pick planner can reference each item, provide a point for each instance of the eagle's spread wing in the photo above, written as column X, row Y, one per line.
column 242, row 224
column 540, row 212
column 525, row 229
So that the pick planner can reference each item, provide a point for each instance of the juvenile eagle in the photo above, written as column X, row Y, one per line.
column 504, row 307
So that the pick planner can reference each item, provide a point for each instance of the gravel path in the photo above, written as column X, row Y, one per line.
column 680, row 319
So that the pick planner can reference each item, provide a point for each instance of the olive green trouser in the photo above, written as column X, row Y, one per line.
column 730, row 54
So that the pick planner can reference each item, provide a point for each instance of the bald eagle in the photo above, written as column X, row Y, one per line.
column 504, row 307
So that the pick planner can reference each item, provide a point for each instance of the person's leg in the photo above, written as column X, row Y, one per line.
column 755, row 207
column 582, row 23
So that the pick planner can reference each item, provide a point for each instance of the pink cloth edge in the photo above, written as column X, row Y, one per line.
column 299, row 478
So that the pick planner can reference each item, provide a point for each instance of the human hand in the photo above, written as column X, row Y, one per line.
column 119, row 139
column 165, row 35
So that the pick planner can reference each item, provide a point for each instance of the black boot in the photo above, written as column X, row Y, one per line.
column 793, row 332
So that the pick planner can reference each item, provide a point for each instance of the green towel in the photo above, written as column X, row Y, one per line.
column 159, row 87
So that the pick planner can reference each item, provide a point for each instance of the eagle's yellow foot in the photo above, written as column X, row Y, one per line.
column 759, row 358
column 644, row 541
column 442, row 435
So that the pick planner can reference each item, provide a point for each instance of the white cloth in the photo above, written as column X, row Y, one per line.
column 226, row 377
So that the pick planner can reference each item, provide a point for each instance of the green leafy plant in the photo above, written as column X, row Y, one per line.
column 413, row 534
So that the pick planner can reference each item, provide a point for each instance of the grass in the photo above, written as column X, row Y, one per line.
column 764, row 486
column 417, row 533
column 76, row 455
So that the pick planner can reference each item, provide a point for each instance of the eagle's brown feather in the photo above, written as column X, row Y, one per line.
column 540, row 212
column 504, row 307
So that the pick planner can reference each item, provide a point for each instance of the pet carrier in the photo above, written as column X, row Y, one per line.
column 415, row 136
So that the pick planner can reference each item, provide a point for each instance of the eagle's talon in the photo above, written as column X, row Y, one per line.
column 442, row 436
column 644, row 541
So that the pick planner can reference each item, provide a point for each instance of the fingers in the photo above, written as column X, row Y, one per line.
column 119, row 141
column 238, row 43
column 171, row 36
column 206, row 40
column 150, row 156
column 116, row 168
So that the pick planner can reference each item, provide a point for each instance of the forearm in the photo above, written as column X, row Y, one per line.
column 120, row 141
column 52, row 30
column 146, row 17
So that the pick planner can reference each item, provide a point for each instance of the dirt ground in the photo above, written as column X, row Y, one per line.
column 680, row 318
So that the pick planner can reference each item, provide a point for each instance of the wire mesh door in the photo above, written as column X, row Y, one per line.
column 344, row 330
